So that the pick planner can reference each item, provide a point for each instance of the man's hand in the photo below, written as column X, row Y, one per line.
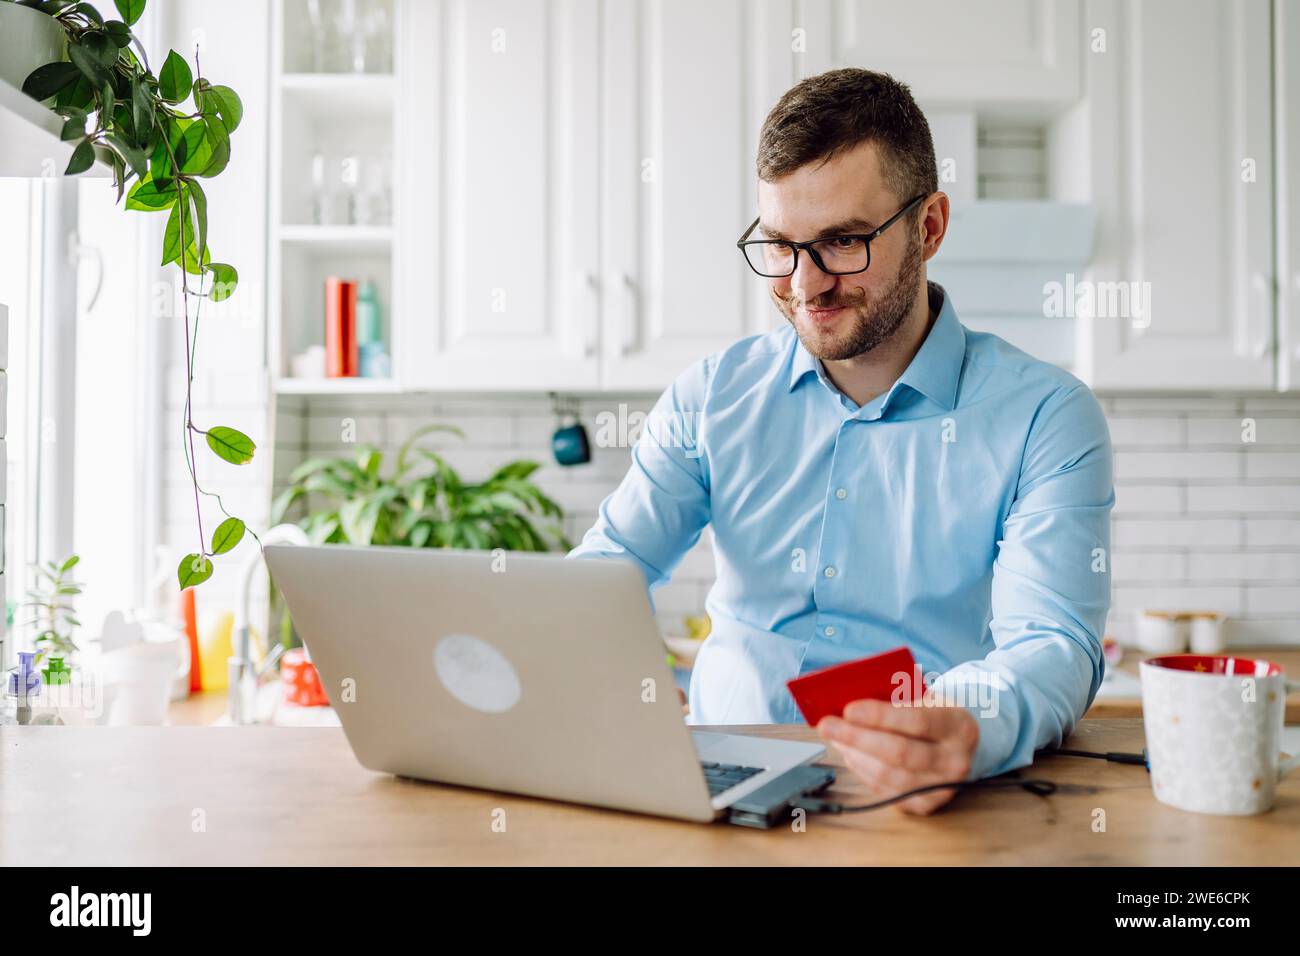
column 893, row 749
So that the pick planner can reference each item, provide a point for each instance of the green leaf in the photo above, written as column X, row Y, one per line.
column 88, row 11
column 369, row 461
column 174, row 79
column 177, row 223
column 129, row 10
column 324, row 530
column 83, row 157
column 193, row 569
column 194, row 148
column 192, row 259
column 132, row 155
column 228, row 534
column 283, row 502
column 310, row 466
column 44, row 81
column 141, row 109
column 359, row 519
column 69, row 564
column 147, row 197
column 200, row 201
column 224, row 280
column 216, row 142
column 119, row 175
column 118, row 33
column 232, row 445
column 79, row 95
column 73, row 128
column 515, row 469
column 220, row 101
column 88, row 62
column 100, row 46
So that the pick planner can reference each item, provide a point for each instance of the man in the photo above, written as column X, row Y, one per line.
column 875, row 474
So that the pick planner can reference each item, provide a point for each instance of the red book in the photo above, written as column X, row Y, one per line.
column 341, row 328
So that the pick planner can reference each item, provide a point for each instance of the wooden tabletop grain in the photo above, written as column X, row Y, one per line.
column 268, row 795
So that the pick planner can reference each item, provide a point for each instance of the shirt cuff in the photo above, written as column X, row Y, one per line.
column 988, row 698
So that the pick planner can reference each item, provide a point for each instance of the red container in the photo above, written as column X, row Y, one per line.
column 302, row 686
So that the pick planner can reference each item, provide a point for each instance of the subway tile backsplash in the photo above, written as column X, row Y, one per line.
column 1207, row 509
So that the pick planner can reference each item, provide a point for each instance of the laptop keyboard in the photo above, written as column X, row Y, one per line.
column 724, row 776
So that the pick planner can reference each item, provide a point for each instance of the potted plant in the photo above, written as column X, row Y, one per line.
column 53, row 614
column 28, row 39
column 424, row 503
column 161, row 133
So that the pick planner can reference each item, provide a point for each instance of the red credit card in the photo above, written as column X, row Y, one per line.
column 825, row 693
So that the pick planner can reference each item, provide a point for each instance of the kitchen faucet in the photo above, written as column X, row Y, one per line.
column 243, row 673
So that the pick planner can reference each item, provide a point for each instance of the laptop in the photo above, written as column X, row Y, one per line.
column 517, row 672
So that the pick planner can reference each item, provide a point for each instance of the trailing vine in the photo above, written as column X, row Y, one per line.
column 137, row 123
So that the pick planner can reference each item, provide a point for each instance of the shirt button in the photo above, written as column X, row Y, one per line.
column 829, row 572
column 830, row 631
column 841, row 493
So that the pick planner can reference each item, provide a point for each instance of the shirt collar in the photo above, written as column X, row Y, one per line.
column 934, row 371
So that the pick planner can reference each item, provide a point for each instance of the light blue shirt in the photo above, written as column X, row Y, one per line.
column 963, row 513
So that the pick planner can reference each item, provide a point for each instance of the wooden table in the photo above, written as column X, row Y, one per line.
column 273, row 795
column 1288, row 658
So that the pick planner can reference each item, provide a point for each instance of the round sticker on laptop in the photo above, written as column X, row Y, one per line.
column 476, row 673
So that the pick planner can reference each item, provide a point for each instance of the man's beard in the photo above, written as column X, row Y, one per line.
column 874, row 322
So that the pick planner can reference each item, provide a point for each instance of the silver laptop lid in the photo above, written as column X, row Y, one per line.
column 525, row 673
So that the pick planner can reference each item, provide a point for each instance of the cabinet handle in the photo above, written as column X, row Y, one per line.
column 629, row 317
column 1262, row 284
column 590, row 285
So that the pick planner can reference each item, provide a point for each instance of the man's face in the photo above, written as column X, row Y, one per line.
column 841, row 317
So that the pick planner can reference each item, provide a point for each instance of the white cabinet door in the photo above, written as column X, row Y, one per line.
column 687, row 86
column 497, row 153
column 990, row 52
column 1182, row 176
column 1286, row 50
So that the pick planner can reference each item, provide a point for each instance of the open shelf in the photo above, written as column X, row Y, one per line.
column 332, row 187
column 339, row 238
column 324, row 96
column 336, row 386
column 30, row 134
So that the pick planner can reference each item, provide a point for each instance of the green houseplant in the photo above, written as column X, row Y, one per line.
column 424, row 503
column 166, row 132
column 50, row 600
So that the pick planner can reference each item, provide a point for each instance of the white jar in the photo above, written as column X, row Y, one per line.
column 1207, row 633
column 1161, row 632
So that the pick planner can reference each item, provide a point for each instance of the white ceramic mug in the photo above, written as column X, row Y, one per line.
column 1213, row 728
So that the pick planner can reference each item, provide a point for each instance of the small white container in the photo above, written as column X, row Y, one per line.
column 1207, row 633
column 1162, row 632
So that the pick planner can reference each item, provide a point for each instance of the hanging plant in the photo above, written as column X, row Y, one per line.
column 162, row 134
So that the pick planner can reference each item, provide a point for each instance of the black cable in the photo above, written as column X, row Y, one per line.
column 1112, row 755
column 1041, row 788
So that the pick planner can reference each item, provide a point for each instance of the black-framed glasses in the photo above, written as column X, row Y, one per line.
column 834, row 255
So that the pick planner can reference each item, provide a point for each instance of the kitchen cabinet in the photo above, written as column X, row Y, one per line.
column 577, row 175
column 498, row 146
column 991, row 53
column 686, row 88
column 1181, row 174
column 1286, row 112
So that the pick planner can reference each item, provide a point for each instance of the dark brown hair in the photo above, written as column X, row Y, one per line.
column 827, row 114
